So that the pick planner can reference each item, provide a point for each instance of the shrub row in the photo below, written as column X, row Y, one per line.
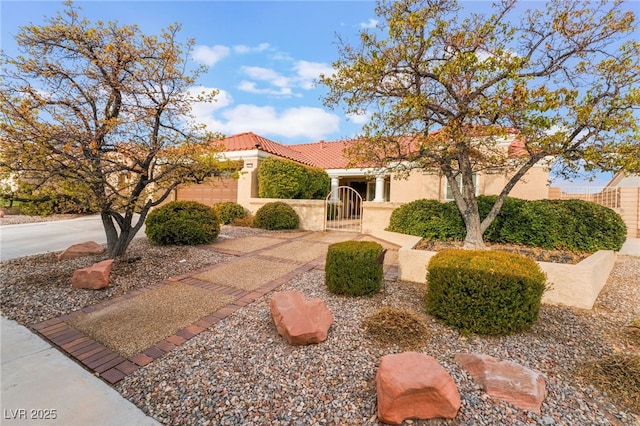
column 484, row 291
column 282, row 178
column 573, row 225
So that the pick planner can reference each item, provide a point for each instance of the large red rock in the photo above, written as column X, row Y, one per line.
column 506, row 380
column 88, row 248
column 93, row 277
column 411, row 385
column 300, row 321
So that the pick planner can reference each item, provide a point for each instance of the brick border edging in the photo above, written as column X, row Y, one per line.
column 113, row 367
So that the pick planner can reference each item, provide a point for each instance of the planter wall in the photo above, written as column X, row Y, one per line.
column 571, row 285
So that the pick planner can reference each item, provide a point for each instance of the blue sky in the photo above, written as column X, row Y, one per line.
column 263, row 56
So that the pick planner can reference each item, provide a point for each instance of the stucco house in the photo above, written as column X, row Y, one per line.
column 378, row 191
column 372, row 184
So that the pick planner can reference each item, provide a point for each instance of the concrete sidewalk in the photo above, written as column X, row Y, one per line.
column 631, row 247
column 42, row 386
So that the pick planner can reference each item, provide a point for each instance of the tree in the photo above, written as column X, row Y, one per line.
column 443, row 92
column 105, row 109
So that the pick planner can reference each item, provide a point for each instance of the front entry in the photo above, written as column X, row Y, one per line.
column 343, row 210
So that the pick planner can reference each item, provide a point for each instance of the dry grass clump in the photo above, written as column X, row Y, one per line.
column 619, row 376
column 392, row 326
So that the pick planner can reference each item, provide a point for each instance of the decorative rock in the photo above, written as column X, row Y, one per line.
column 300, row 321
column 412, row 385
column 506, row 380
column 1, row 213
column 88, row 248
column 94, row 277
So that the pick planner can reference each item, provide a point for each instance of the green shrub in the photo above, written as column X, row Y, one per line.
column 182, row 223
column 484, row 291
column 286, row 179
column 280, row 178
column 429, row 219
column 571, row 225
column 353, row 268
column 276, row 215
column 228, row 211
column 318, row 184
column 67, row 197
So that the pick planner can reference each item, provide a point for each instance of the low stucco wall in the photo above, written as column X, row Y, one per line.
column 578, row 285
column 375, row 216
column 311, row 212
column 571, row 285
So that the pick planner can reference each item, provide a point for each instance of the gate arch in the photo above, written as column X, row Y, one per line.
column 343, row 210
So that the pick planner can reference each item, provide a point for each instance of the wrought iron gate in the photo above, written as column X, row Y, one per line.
column 343, row 210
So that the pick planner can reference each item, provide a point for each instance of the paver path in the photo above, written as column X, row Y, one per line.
column 261, row 264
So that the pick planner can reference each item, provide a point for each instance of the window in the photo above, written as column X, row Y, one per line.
column 448, row 194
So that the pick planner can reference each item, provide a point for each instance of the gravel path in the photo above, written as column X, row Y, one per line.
column 240, row 372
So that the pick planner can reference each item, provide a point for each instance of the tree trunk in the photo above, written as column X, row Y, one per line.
column 118, row 242
column 473, row 239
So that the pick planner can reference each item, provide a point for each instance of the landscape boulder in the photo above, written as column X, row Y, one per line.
column 1, row 213
column 412, row 385
column 93, row 277
column 88, row 248
column 300, row 321
column 511, row 382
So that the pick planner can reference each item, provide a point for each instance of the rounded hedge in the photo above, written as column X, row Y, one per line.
column 572, row 225
column 354, row 268
column 228, row 211
column 276, row 215
column 182, row 223
column 484, row 291
column 428, row 219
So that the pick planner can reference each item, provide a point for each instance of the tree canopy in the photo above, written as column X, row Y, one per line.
column 444, row 89
column 104, row 109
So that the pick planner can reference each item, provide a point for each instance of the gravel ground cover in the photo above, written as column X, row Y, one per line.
column 241, row 372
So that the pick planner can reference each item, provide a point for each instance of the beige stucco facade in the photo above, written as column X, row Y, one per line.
column 418, row 185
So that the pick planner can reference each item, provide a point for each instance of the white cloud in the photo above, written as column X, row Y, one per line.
column 369, row 24
column 301, row 122
column 251, row 87
column 309, row 72
column 266, row 74
column 243, row 49
column 209, row 55
column 359, row 118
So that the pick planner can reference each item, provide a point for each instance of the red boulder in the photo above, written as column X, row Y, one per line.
column 412, row 385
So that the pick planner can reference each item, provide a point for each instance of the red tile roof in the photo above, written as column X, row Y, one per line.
column 326, row 155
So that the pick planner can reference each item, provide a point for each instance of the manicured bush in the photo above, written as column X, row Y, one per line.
column 182, row 223
column 571, row 225
column 429, row 219
column 354, row 268
column 318, row 184
column 484, row 291
column 276, row 215
column 228, row 211
column 282, row 178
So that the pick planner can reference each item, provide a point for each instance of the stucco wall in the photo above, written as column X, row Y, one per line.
column 419, row 185
column 311, row 212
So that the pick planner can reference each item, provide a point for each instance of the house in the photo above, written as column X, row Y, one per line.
column 372, row 184
column 378, row 190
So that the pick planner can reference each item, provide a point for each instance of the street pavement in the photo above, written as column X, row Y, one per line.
column 44, row 237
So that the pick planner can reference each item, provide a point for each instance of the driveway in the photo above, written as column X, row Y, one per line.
column 44, row 237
